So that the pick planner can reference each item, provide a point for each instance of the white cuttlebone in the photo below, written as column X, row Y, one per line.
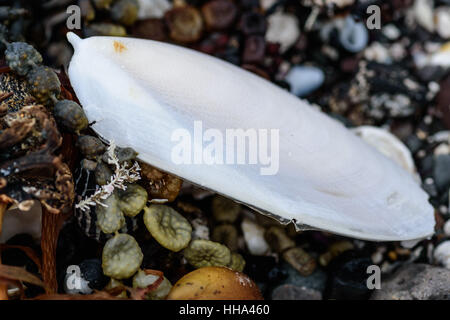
column 139, row 91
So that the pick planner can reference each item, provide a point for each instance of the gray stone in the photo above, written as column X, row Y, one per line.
column 292, row 292
column 441, row 171
column 416, row 282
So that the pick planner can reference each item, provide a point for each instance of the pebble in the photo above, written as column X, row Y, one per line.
column 446, row 228
column 91, row 277
column 304, row 79
column 431, row 73
column 378, row 53
column 292, row 292
column 441, row 171
column 423, row 14
column 349, row 276
column 391, row 32
column 316, row 281
column 353, row 36
column 254, row 237
column 442, row 254
column 264, row 269
column 443, row 100
column 254, row 50
column 153, row 8
column 266, row 4
column 415, row 282
column 283, row 29
column 442, row 21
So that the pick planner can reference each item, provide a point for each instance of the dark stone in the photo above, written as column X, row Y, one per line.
column 413, row 143
column 431, row 189
column 426, row 165
column 91, row 271
column 253, row 23
column 443, row 101
column 264, row 269
column 441, row 172
column 254, row 50
column 349, row 277
column 153, row 29
column 431, row 73
column 416, row 282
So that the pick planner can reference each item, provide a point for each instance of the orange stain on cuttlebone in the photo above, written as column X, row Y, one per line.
column 119, row 47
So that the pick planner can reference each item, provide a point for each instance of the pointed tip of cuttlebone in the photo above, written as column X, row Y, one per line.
column 73, row 39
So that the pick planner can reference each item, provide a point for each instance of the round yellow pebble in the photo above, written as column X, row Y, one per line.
column 215, row 283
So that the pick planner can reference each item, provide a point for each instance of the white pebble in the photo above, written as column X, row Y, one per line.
column 153, row 8
column 377, row 52
column 283, row 29
column 266, row 4
column 423, row 14
column 442, row 254
column 254, row 237
column 442, row 149
column 391, row 32
column 447, row 228
column 442, row 18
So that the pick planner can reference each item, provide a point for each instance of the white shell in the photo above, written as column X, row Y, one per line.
column 140, row 91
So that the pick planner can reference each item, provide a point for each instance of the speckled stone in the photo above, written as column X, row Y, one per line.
column 317, row 280
column 416, row 282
